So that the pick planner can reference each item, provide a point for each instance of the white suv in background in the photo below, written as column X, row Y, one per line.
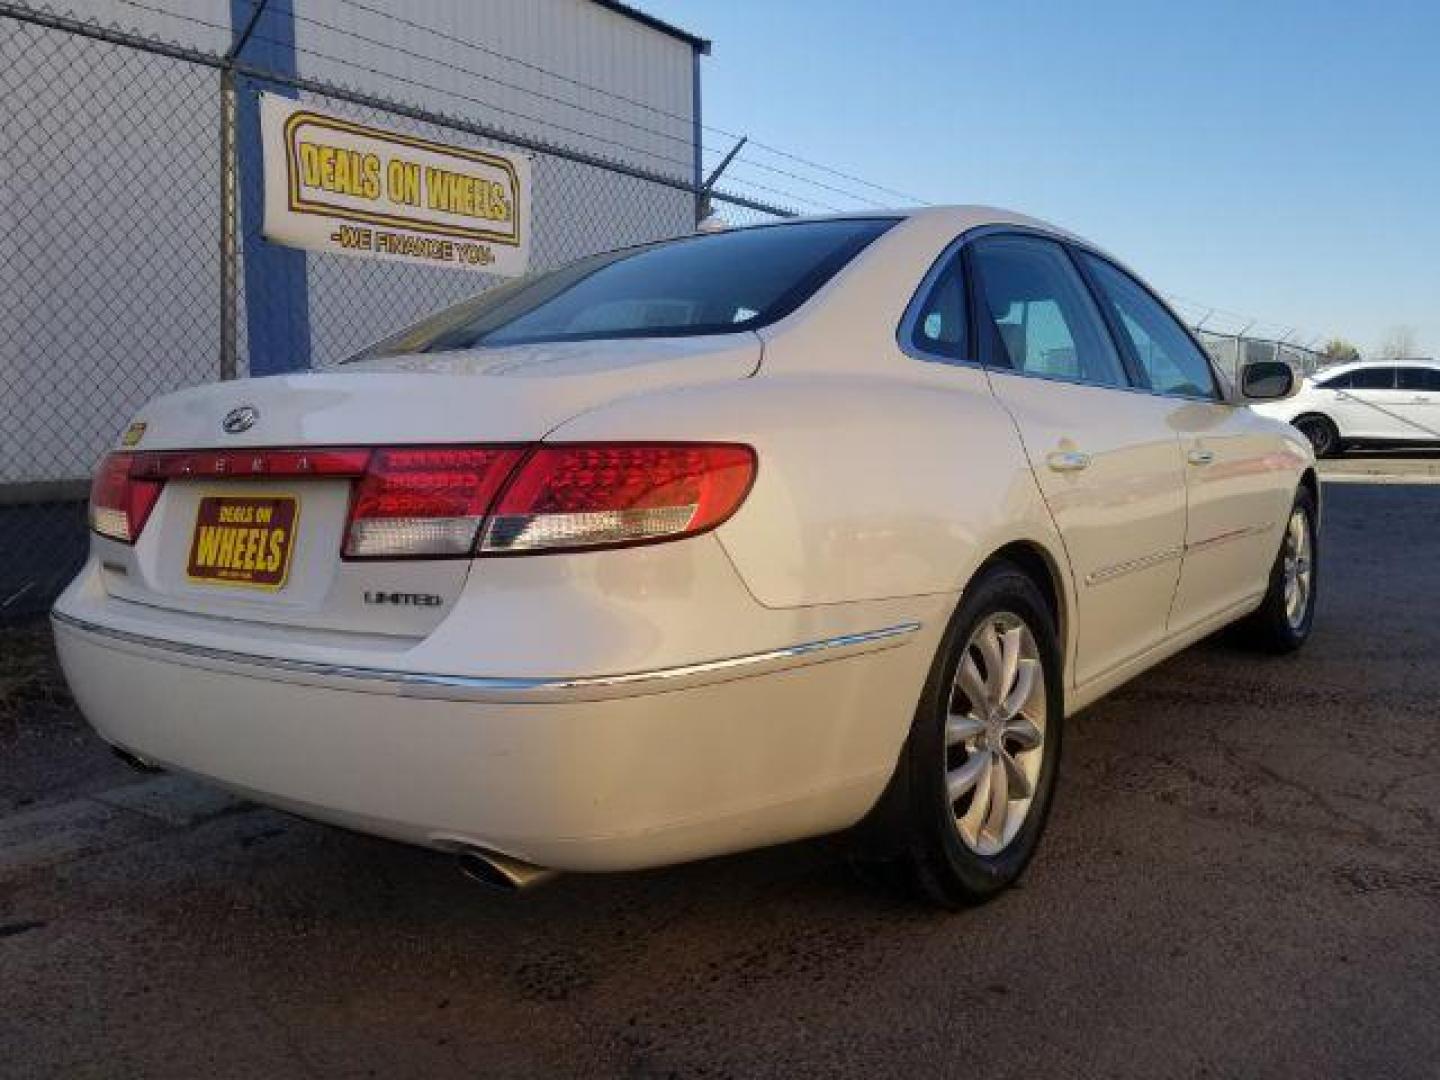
column 1394, row 402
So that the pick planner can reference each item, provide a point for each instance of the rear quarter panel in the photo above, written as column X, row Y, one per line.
column 868, row 487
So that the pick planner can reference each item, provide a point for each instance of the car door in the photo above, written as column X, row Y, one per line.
column 1418, row 390
column 1107, row 459
column 1234, row 508
column 1367, row 407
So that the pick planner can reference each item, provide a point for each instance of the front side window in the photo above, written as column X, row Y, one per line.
column 1041, row 318
column 1342, row 381
column 710, row 284
column 1171, row 362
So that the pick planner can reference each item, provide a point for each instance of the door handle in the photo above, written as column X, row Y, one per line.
column 1199, row 456
column 1068, row 461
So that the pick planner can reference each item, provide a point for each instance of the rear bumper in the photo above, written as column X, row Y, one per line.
column 601, row 772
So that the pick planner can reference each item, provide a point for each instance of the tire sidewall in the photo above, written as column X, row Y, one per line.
column 1331, row 446
column 958, row 874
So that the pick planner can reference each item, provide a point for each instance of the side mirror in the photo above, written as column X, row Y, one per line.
column 1267, row 380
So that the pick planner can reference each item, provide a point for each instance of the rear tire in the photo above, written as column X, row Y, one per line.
column 1284, row 620
column 1324, row 436
column 984, row 746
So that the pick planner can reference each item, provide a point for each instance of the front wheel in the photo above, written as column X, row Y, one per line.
column 1283, row 621
column 1324, row 436
column 985, row 743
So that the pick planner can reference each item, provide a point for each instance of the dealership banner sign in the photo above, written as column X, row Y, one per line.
column 334, row 185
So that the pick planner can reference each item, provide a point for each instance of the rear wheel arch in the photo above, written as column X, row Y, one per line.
column 1037, row 563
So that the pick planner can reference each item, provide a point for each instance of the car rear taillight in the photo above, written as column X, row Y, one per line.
column 458, row 501
column 574, row 496
column 120, row 502
column 425, row 501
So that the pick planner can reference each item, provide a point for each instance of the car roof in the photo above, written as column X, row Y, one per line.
column 951, row 220
column 1356, row 365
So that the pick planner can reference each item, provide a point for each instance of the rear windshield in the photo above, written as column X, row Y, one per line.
column 708, row 284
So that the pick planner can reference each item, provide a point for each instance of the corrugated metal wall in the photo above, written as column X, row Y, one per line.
column 110, row 181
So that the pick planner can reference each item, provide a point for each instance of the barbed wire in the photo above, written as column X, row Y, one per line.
column 805, row 200
column 648, row 106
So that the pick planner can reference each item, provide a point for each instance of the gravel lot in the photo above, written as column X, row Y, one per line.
column 1241, row 878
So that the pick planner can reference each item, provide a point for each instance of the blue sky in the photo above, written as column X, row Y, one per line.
column 1277, row 159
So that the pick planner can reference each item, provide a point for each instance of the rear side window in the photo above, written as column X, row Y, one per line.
column 1171, row 362
column 1042, row 320
column 939, row 327
column 711, row 284
column 1373, row 378
column 1419, row 378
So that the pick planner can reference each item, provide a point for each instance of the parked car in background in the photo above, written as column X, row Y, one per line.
column 694, row 547
column 1365, row 404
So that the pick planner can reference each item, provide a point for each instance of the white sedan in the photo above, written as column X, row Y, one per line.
column 1369, row 404
column 696, row 547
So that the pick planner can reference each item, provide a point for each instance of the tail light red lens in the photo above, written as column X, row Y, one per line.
column 120, row 503
column 426, row 501
column 576, row 496
column 437, row 501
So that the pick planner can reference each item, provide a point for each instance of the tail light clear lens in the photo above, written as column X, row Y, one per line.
column 568, row 497
column 120, row 502
column 425, row 501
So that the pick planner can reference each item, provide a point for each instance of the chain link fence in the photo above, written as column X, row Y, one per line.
column 1230, row 351
column 125, row 269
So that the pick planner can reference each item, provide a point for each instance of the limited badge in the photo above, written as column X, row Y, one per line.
column 133, row 434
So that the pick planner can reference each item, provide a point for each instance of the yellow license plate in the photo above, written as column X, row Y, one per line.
column 244, row 540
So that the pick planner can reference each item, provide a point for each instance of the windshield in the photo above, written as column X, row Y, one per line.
column 708, row 284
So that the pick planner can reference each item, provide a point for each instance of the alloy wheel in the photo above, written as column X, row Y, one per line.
column 1299, row 568
column 995, row 733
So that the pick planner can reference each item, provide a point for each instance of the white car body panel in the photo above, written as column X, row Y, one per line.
column 1363, row 414
column 639, row 706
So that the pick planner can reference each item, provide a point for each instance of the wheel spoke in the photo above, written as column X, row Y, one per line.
column 1009, row 661
column 959, row 729
column 974, row 819
column 999, row 802
column 1023, row 731
column 1025, row 674
column 1015, row 776
column 958, row 781
column 971, row 682
column 988, row 642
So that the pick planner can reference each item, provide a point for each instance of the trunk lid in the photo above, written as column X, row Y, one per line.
column 512, row 395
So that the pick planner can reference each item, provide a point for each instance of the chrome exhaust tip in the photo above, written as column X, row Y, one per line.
column 500, row 872
column 135, row 761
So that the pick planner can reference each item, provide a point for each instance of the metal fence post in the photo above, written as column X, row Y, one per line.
column 229, row 217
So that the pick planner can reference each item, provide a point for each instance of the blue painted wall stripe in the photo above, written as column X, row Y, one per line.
column 277, row 297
